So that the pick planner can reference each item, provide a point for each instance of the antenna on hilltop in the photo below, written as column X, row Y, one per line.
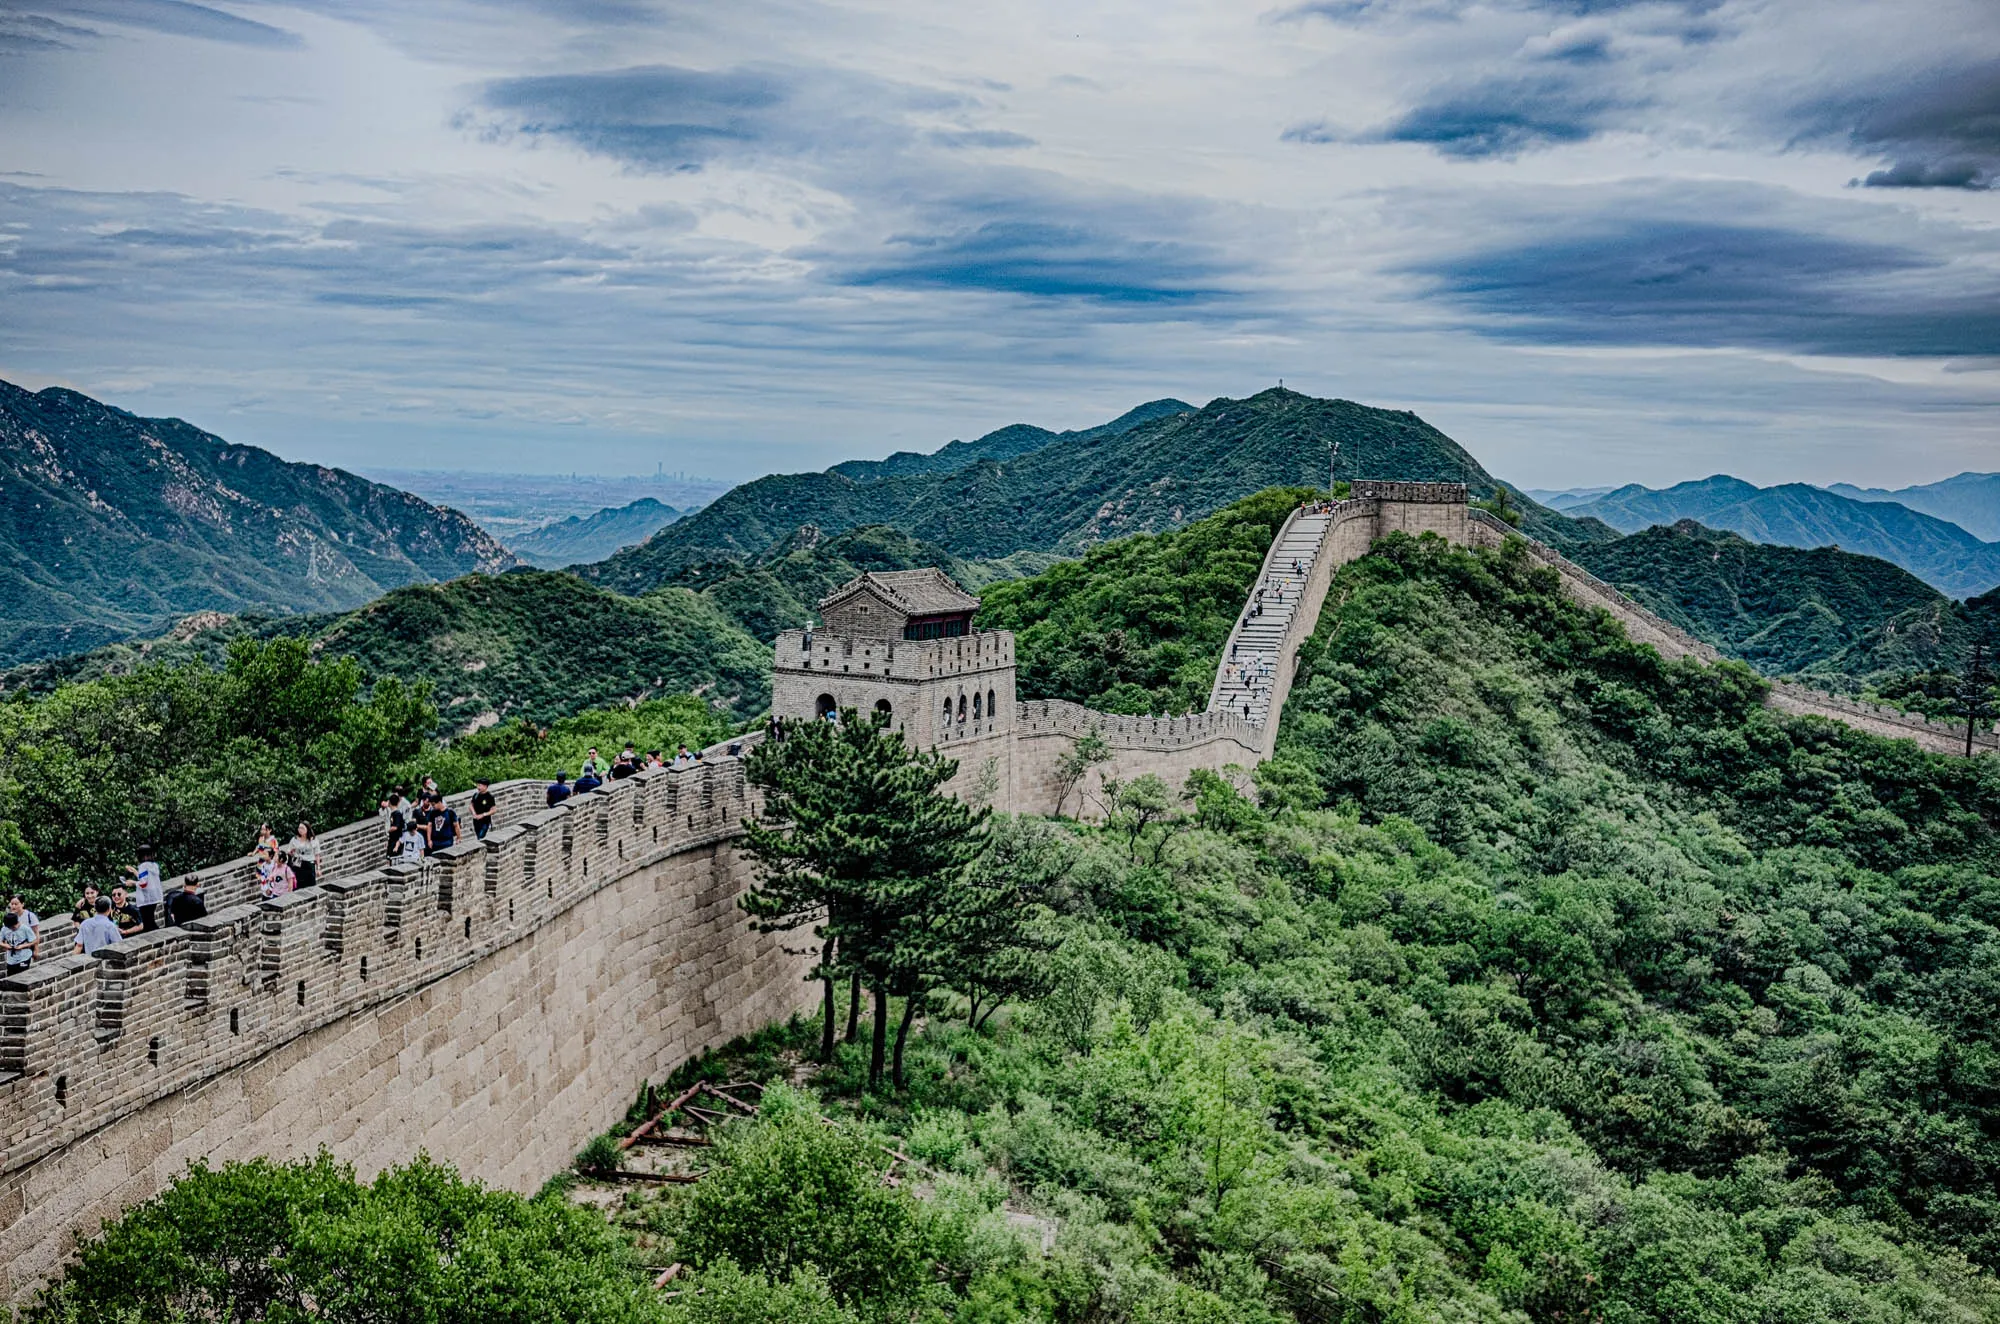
column 1972, row 692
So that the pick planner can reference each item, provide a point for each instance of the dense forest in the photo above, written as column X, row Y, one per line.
column 1536, row 979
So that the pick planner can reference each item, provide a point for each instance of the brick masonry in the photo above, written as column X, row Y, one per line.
column 496, row 1006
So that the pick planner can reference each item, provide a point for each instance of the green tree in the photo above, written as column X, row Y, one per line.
column 857, row 840
column 789, row 1195
column 190, row 760
column 304, row 1241
column 995, row 929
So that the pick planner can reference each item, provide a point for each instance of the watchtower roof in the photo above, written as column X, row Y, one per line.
column 926, row 592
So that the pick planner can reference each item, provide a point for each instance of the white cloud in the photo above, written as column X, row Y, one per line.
column 602, row 233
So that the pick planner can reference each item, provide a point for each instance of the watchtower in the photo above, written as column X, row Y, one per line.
column 900, row 642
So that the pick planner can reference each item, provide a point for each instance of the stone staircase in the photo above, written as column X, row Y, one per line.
column 1256, row 652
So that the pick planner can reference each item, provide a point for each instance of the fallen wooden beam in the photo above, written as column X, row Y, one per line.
column 665, row 1178
column 646, row 1127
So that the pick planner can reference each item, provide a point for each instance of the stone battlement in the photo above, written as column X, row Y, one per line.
column 909, row 659
column 85, row 1041
column 1420, row 494
column 1057, row 717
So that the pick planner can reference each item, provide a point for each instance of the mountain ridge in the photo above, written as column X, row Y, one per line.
column 1970, row 500
column 113, row 525
column 592, row 537
column 1800, row 515
column 1081, row 488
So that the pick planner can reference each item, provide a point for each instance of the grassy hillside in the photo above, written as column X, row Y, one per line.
column 1795, row 515
column 1080, row 490
column 111, row 525
column 1781, row 609
column 1548, row 982
column 535, row 645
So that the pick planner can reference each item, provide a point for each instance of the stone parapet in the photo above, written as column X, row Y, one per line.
column 85, row 1041
column 1421, row 494
column 1058, row 717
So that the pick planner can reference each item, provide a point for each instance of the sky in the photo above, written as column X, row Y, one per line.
column 1597, row 241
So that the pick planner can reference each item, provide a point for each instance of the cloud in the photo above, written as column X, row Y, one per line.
column 1504, row 117
column 176, row 18
column 1496, row 118
column 663, row 117
column 1940, row 128
column 1047, row 259
column 1652, row 280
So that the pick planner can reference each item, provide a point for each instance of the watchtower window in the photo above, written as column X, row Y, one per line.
column 824, row 707
column 938, row 627
column 961, row 707
column 992, row 708
column 882, row 709
column 947, row 712
column 975, row 706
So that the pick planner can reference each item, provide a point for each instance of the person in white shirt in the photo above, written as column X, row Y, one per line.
column 147, row 891
column 410, row 846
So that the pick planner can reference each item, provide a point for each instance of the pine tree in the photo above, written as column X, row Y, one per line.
column 857, row 840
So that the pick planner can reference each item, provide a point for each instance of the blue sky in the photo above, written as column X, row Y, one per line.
column 1595, row 240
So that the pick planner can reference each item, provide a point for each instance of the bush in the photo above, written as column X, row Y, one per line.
column 291, row 1242
column 789, row 1193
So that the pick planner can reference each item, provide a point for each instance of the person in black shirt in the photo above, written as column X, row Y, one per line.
column 559, row 789
column 482, row 810
column 443, row 826
column 186, row 904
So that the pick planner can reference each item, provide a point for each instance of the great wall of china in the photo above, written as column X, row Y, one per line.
column 501, row 1002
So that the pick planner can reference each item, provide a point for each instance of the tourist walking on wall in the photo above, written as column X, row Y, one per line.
column 148, row 891
column 588, row 780
column 17, row 942
column 97, row 931
column 187, row 904
column 558, row 789
column 86, row 907
column 303, row 852
column 482, row 810
column 443, row 826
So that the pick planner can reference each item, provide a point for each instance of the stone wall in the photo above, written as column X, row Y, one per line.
column 497, row 1005
column 1646, row 627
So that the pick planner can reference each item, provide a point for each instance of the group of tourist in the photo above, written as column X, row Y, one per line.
column 426, row 825
column 283, row 867
column 416, row 826
column 628, row 763
column 138, row 904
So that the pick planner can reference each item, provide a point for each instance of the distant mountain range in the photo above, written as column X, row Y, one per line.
column 1157, row 467
column 1941, row 553
column 112, row 525
column 1971, row 501
column 593, row 537
column 1784, row 610
column 1567, row 497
